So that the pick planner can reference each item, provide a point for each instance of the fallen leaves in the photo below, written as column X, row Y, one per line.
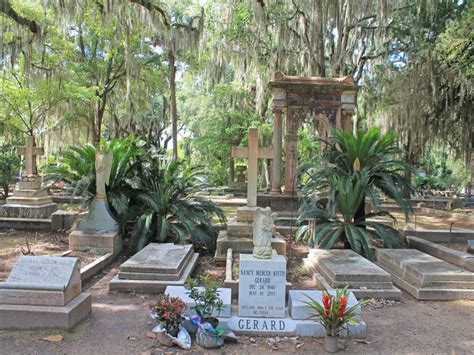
column 53, row 338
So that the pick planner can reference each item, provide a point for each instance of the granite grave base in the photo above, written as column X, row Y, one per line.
column 426, row 277
column 43, row 292
column 155, row 267
column 337, row 268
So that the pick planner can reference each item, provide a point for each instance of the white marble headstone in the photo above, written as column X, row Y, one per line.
column 262, row 286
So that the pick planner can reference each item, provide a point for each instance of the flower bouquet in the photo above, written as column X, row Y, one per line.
column 334, row 314
column 168, row 312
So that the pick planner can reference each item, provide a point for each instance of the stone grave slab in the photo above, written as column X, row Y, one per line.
column 456, row 257
column 426, row 277
column 337, row 268
column 225, row 294
column 42, row 281
column 155, row 267
column 43, row 292
column 262, row 286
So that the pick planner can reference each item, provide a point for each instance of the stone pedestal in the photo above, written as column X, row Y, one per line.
column 97, row 231
column 29, row 201
column 262, row 286
column 43, row 292
column 155, row 267
column 239, row 234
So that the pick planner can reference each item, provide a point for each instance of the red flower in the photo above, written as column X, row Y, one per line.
column 327, row 312
column 326, row 300
column 343, row 300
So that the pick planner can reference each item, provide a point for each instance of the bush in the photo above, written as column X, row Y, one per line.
column 154, row 196
column 9, row 165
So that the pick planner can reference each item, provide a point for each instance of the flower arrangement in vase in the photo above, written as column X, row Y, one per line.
column 334, row 314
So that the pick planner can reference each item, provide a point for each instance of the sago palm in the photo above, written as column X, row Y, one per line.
column 337, row 221
column 370, row 156
column 166, row 207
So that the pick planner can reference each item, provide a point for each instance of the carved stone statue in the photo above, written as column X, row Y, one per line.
column 103, row 166
column 262, row 233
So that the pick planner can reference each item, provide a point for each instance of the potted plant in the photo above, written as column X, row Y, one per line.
column 334, row 314
column 208, row 306
column 168, row 312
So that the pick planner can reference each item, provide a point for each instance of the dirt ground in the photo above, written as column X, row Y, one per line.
column 15, row 243
column 119, row 323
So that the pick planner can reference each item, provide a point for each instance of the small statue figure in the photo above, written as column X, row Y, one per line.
column 103, row 167
column 262, row 233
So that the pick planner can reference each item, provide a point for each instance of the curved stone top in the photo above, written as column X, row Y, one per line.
column 52, row 273
column 285, row 81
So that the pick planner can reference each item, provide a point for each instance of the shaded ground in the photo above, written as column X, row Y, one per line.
column 14, row 243
column 426, row 221
column 119, row 323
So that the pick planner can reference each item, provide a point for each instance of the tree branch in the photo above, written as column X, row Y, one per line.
column 6, row 8
column 150, row 6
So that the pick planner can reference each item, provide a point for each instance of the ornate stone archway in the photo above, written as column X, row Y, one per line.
column 301, row 98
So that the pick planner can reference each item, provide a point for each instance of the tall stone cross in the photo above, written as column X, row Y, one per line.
column 30, row 152
column 253, row 152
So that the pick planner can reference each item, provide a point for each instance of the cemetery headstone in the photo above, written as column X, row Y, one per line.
column 155, row 267
column 43, row 292
column 98, row 230
column 261, row 302
column 339, row 268
column 426, row 277
column 29, row 202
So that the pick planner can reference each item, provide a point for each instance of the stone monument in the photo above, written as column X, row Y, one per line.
column 98, row 230
column 239, row 233
column 262, row 233
column 262, row 298
column 326, row 103
column 43, row 292
column 155, row 267
column 30, row 206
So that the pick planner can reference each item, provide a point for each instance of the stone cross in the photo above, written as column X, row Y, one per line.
column 30, row 152
column 252, row 153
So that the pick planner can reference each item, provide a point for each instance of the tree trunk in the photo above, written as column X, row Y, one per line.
column 174, row 112
column 231, row 176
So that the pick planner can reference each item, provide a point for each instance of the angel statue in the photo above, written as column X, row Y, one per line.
column 103, row 166
column 262, row 233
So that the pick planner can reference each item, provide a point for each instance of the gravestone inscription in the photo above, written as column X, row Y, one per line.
column 262, row 286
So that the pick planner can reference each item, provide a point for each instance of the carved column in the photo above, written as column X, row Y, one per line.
column 276, row 164
column 291, row 161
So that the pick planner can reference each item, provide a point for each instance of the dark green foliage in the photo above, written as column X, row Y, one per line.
column 9, row 165
column 165, row 207
column 351, row 169
column 207, row 300
column 156, row 197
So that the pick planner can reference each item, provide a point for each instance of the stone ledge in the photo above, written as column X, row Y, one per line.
column 100, row 242
column 45, row 317
column 455, row 257
column 439, row 235
column 392, row 293
column 283, row 326
column 25, row 223
column 96, row 266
